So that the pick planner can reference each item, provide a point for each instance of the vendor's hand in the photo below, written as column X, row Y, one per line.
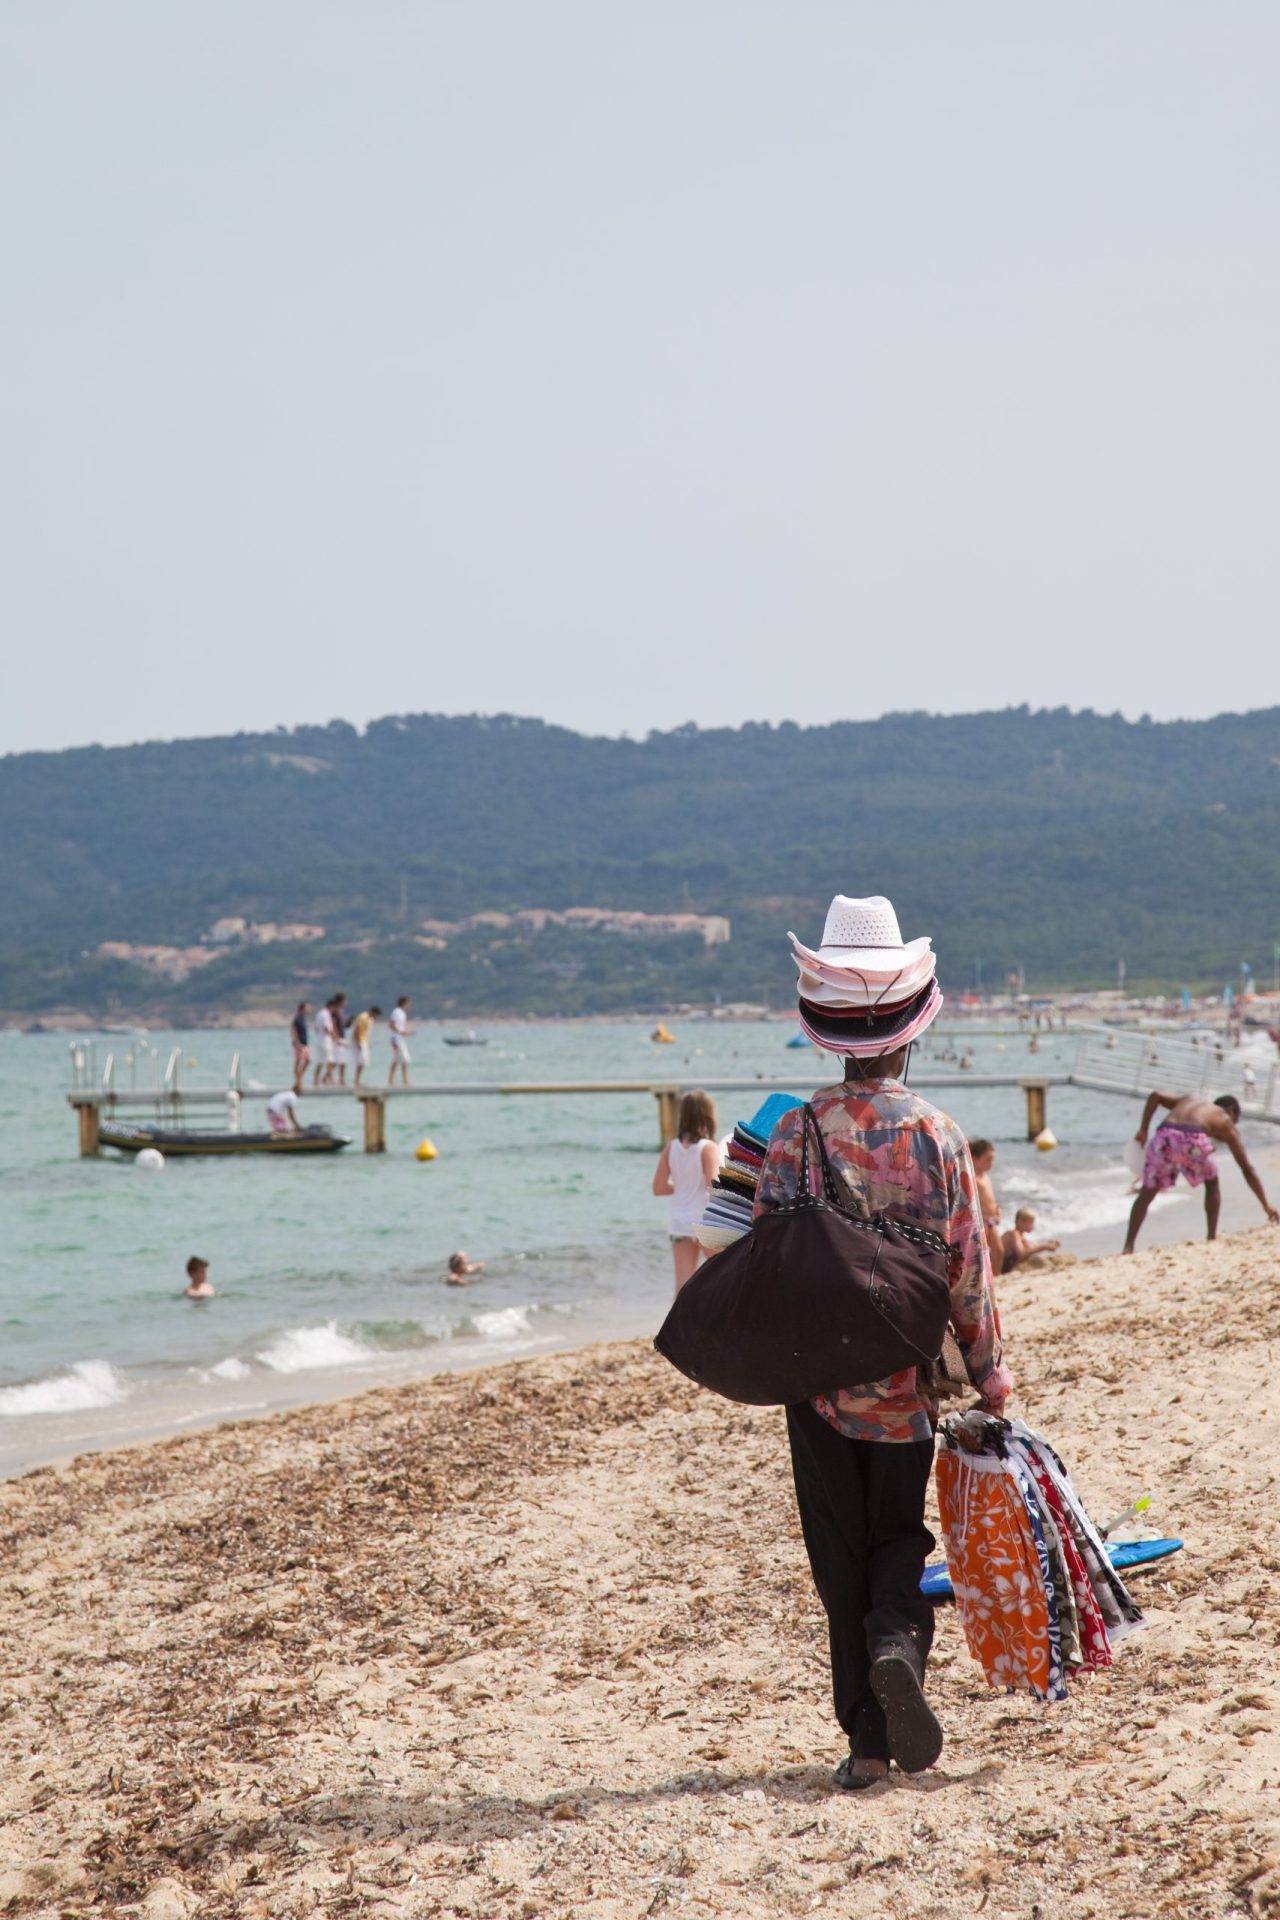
column 1273, row 1216
column 1141, row 1136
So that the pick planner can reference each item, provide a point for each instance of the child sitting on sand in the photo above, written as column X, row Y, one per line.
column 1016, row 1244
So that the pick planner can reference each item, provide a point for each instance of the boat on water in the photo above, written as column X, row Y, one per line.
column 470, row 1039
column 218, row 1140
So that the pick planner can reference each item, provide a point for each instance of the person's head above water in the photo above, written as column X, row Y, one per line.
column 196, row 1267
column 1229, row 1104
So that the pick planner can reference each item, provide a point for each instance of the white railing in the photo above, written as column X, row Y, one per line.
column 1122, row 1060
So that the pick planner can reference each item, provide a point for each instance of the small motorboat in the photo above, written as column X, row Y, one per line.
column 470, row 1039
column 220, row 1140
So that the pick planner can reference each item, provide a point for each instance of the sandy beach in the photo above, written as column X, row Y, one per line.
column 540, row 1640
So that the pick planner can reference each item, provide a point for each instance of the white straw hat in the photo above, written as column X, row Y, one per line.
column 863, row 935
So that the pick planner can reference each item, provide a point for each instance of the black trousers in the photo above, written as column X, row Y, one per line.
column 862, row 1514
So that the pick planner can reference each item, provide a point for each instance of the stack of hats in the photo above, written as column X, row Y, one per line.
column 864, row 991
column 733, row 1192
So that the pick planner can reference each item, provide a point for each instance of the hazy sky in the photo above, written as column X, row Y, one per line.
column 631, row 365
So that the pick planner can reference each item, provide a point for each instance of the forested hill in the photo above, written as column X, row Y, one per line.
column 1052, row 841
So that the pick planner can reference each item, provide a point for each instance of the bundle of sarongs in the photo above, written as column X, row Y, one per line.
column 1038, row 1599
column 733, row 1192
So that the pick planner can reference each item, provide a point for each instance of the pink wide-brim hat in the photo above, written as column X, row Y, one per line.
column 842, row 987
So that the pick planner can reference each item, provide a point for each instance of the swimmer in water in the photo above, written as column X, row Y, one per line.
column 199, row 1285
column 461, row 1268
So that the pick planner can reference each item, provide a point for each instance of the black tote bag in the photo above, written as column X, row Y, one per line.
column 815, row 1297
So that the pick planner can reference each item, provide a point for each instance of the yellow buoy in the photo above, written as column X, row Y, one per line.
column 1046, row 1141
column 426, row 1150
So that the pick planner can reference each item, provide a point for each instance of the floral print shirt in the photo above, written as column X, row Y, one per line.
column 898, row 1155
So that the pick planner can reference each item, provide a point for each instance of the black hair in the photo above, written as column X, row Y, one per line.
column 1229, row 1104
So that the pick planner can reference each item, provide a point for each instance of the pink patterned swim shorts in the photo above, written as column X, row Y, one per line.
column 1174, row 1150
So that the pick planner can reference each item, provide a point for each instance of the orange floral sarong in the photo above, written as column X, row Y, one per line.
column 996, row 1572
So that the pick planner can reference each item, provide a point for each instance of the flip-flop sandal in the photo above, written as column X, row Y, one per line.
column 915, row 1738
column 850, row 1782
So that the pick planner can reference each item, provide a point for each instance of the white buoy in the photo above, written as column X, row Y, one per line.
column 151, row 1158
column 1046, row 1141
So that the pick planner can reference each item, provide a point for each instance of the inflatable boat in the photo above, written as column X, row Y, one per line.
column 179, row 1140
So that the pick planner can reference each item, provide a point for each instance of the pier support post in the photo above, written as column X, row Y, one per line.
column 375, row 1122
column 668, row 1099
column 1037, row 1103
column 87, row 1118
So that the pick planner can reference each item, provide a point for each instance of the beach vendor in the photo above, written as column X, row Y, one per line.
column 862, row 1454
column 1185, row 1143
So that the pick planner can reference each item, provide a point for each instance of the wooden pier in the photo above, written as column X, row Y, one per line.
column 170, row 1107
column 1107, row 1060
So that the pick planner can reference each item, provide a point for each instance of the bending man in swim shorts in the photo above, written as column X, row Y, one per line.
column 1184, row 1144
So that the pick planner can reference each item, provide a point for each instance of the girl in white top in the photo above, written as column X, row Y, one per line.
column 688, row 1165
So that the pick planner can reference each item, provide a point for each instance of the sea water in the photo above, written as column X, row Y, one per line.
column 330, row 1271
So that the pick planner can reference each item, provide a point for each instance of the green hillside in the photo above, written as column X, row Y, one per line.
column 1052, row 841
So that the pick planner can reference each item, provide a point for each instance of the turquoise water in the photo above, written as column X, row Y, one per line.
column 329, row 1272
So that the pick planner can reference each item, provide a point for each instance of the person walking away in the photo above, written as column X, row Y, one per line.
column 341, row 1046
column 983, row 1155
column 328, row 1055
column 301, row 1050
column 685, row 1170
column 282, row 1112
column 361, row 1034
column 1016, row 1245
column 861, row 1454
column 398, row 1022
column 1184, row 1144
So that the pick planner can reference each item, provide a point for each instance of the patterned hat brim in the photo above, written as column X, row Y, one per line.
column 863, row 1038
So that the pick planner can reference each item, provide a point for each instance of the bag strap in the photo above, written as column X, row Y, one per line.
column 829, row 1188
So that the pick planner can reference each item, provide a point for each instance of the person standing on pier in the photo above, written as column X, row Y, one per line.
column 361, row 1030
column 328, row 1055
column 398, row 1022
column 341, row 1045
column 301, row 1050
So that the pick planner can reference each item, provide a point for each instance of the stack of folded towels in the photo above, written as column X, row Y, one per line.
column 732, row 1197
